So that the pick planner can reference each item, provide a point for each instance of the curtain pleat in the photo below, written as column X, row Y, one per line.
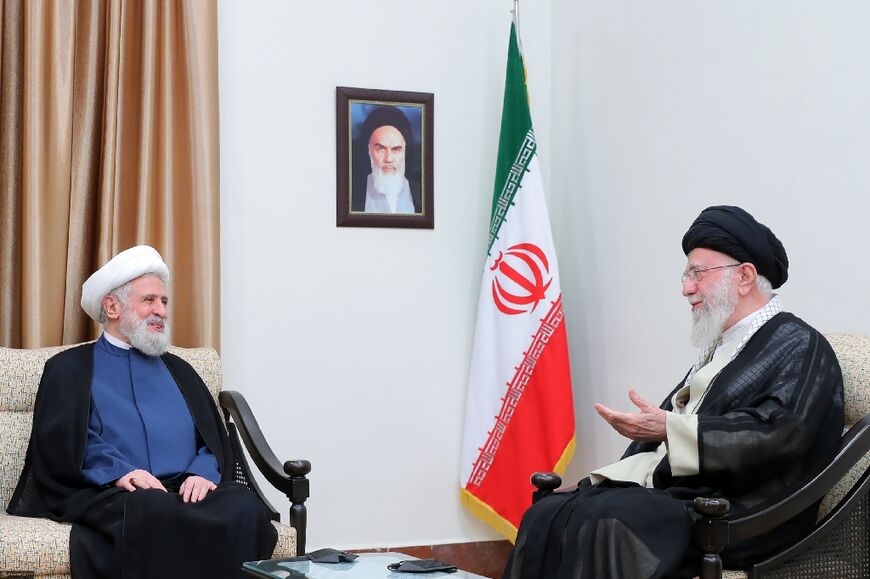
column 117, row 147
column 45, row 166
column 87, row 137
column 11, row 90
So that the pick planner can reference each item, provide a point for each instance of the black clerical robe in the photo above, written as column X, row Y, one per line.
column 768, row 418
column 146, row 533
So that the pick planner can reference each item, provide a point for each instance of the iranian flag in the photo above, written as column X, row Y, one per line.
column 519, row 414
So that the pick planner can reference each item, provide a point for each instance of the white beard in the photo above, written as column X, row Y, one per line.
column 146, row 341
column 708, row 321
column 389, row 184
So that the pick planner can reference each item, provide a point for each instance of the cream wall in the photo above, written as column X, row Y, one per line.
column 668, row 107
column 646, row 112
column 362, row 334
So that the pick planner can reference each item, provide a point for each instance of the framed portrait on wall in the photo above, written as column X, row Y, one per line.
column 384, row 158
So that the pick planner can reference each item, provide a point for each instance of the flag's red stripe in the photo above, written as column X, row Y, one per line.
column 541, row 428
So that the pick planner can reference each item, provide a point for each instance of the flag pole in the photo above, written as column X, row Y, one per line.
column 516, row 12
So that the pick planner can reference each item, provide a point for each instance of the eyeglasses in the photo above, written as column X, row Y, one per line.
column 694, row 273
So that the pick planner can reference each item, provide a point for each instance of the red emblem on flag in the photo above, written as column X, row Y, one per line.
column 519, row 284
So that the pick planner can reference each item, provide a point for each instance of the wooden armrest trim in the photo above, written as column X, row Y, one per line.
column 289, row 477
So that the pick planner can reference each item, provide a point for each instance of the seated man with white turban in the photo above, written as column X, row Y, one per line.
column 761, row 406
column 128, row 446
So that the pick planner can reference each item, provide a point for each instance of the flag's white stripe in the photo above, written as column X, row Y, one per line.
column 515, row 177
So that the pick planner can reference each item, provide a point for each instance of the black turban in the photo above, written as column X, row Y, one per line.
column 734, row 232
column 383, row 116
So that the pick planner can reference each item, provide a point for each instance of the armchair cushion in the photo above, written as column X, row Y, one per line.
column 853, row 352
column 42, row 546
column 37, row 545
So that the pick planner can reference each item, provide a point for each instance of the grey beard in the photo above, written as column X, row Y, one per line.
column 708, row 322
column 136, row 330
column 388, row 183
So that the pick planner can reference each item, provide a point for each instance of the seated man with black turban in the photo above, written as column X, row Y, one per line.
column 127, row 445
column 759, row 408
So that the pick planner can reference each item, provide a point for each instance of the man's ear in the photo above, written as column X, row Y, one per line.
column 112, row 307
column 747, row 273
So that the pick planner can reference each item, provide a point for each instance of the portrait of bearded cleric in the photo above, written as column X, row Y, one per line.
column 386, row 159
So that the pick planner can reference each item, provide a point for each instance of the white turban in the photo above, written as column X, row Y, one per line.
column 126, row 266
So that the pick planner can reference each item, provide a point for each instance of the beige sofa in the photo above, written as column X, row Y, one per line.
column 41, row 546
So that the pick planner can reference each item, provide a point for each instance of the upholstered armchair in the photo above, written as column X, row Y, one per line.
column 41, row 546
column 839, row 546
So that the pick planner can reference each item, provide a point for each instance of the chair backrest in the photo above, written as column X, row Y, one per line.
column 853, row 352
column 20, row 372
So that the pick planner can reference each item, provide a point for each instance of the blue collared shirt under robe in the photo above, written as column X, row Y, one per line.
column 139, row 419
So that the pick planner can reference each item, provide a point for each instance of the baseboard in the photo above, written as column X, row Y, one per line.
column 486, row 558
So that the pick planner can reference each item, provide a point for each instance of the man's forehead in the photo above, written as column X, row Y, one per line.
column 149, row 285
column 387, row 135
column 703, row 257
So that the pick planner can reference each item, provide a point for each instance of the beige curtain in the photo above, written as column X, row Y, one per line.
column 108, row 139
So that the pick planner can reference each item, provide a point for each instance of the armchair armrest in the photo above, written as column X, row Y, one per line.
column 546, row 483
column 289, row 477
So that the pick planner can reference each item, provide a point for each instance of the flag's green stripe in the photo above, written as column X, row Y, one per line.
column 516, row 144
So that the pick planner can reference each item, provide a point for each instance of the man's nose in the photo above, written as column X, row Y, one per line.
column 160, row 309
column 689, row 287
column 388, row 156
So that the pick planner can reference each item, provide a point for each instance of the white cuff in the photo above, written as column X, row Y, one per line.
column 637, row 468
column 682, row 443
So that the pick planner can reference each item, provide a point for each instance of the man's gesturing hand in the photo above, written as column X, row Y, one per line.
column 139, row 479
column 646, row 425
column 194, row 488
